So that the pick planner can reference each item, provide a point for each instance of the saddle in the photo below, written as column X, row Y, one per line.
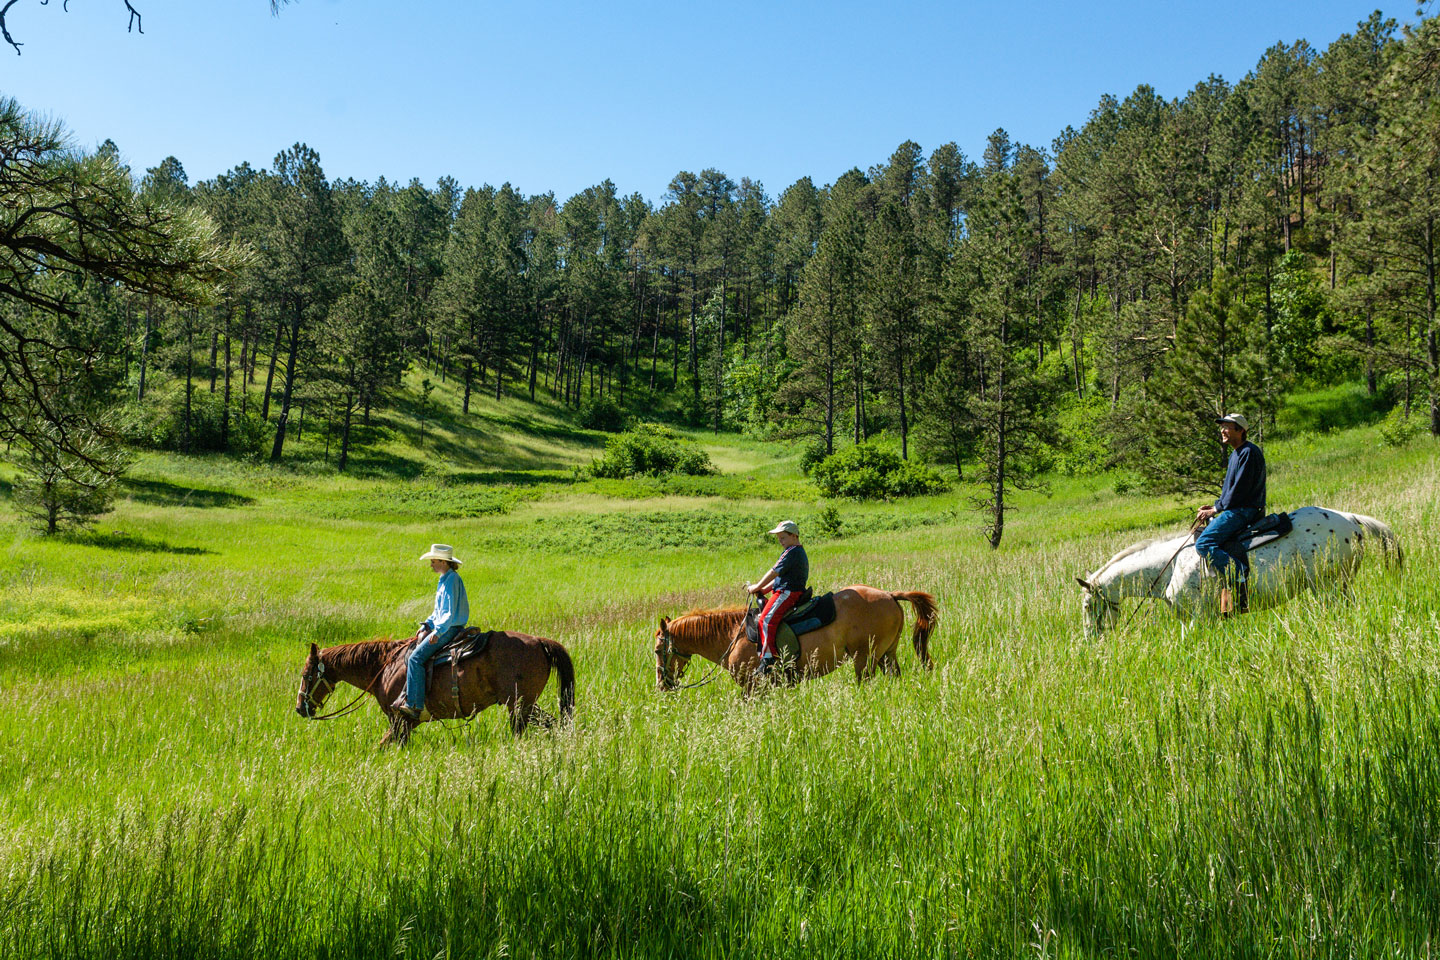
column 809, row 615
column 468, row 643
column 1262, row 531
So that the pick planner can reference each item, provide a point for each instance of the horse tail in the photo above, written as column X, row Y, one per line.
column 1381, row 531
column 924, row 605
column 560, row 662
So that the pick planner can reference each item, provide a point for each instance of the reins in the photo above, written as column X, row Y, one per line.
column 714, row 668
column 1195, row 528
column 350, row 707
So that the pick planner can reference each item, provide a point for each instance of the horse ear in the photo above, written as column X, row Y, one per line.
column 664, row 622
column 313, row 651
column 1081, row 581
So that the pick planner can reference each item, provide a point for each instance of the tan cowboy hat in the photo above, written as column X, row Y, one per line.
column 1236, row 418
column 442, row 551
column 786, row 526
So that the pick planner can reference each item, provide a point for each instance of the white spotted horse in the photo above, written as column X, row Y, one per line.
column 1323, row 547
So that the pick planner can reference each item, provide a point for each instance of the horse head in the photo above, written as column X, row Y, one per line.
column 315, row 686
column 1100, row 613
column 669, row 665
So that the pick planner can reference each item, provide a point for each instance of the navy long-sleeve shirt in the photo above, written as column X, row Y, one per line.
column 1244, row 480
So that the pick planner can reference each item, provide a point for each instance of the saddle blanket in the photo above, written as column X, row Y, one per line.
column 809, row 616
column 1262, row 531
column 468, row 644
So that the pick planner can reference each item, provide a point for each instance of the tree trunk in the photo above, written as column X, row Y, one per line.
column 270, row 375
column 145, row 347
column 1370, row 385
column 214, row 355
column 345, row 431
column 997, row 521
column 189, row 375
column 284, row 419
column 1432, row 342
column 225, row 406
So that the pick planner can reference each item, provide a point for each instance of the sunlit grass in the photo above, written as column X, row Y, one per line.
column 1269, row 786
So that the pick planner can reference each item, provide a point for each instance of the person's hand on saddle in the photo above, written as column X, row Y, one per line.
column 1204, row 514
column 756, row 589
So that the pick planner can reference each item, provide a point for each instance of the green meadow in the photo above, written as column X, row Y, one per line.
column 1268, row 786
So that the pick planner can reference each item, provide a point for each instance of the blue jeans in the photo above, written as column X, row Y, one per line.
column 415, row 665
column 1223, row 527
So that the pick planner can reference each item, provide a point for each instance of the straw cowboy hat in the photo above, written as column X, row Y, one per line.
column 442, row 551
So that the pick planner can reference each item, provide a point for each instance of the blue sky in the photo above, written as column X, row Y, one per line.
column 561, row 94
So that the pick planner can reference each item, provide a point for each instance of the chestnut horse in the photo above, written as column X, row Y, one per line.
column 512, row 669
column 866, row 629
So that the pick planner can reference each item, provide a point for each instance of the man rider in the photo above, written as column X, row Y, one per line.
column 1241, row 503
column 788, row 577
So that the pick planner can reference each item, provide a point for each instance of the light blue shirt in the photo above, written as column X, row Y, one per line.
column 452, row 607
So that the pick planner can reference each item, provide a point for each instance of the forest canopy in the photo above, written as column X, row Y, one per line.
column 1090, row 302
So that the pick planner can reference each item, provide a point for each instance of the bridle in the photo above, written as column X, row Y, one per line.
column 1195, row 528
column 307, row 693
column 666, row 655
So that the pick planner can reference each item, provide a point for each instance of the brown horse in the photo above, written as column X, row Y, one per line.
column 866, row 629
column 512, row 669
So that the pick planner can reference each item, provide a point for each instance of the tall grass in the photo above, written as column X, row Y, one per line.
column 1268, row 786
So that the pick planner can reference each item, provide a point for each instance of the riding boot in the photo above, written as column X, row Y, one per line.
column 1242, row 597
column 767, row 663
column 404, row 709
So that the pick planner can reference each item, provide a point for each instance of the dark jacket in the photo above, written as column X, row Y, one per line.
column 1244, row 480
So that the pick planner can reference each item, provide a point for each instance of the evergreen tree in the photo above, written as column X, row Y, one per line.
column 1009, row 413
column 302, row 260
column 1215, row 367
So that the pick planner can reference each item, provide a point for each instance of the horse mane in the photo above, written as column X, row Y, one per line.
column 362, row 653
column 718, row 620
column 1131, row 550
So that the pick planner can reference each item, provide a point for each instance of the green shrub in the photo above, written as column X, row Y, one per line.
column 161, row 425
column 829, row 522
column 1397, row 430
column 865, row 472
column 650, row 450
column 813, row 455
column 602, row 413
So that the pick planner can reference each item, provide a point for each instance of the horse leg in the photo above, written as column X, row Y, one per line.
column 520, row 713
column 399, row 733
column 865, row 664
column 890, row 664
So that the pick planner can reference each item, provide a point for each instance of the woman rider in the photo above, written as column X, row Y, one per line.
column 452, row 610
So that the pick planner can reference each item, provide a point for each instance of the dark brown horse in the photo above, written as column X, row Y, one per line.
column 866, row 630
column 512, row 669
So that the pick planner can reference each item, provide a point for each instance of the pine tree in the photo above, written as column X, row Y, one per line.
column 302, row 261
column 1216, row 367
column 1008, row 415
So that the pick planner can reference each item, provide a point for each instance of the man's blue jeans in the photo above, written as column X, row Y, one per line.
column 415, row 665
column 1222, row 528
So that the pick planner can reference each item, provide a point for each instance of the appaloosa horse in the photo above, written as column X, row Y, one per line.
column 866, row 629
column 1324, row 546
column 512, row 669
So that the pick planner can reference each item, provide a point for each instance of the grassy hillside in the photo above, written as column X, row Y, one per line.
column 1268, row 785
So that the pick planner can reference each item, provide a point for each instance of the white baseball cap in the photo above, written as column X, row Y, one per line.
column 1236, row 418
column 786, row 526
